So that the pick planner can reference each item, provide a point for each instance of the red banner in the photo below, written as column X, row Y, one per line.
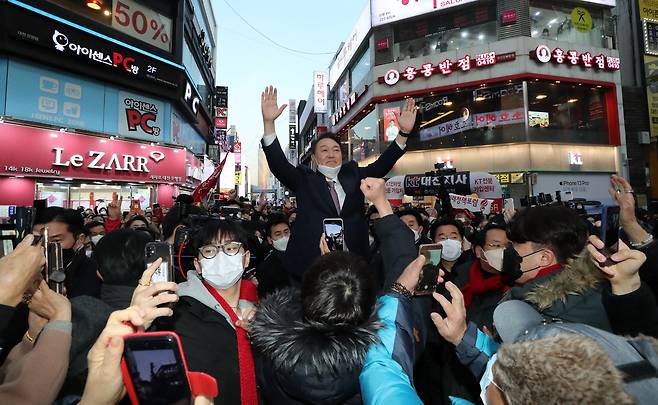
column 35, row 152
column 204, row 188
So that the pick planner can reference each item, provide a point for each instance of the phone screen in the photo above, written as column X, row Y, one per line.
column 152, row 252
column 334, row 233
column 429, row 275
column 610, row 227
column 156, row 369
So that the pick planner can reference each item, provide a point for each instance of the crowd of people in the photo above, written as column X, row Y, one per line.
column 528, row 308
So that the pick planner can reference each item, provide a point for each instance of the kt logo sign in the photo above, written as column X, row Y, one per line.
column 141, row 116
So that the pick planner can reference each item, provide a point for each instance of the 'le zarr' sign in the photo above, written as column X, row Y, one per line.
column 586, row 60
column 446, row 67
column 35, row 152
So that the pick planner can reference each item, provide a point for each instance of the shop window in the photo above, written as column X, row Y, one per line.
column 562, row 22
column 481, row 115
column 361, row 68
column 363, row 137
column 439, row 33
column 149, row 21
column 80, row 195
column 195, row 72
column 342, row 93
column 559, row 112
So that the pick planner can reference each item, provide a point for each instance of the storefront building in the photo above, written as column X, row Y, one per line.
column 103, row 98
column 529, row 93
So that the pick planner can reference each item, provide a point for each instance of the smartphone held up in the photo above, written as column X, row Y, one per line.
column 429, row 275
column 160, row 250
column 334, row 232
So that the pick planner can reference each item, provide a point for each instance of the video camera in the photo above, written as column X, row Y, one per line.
column 443, row 204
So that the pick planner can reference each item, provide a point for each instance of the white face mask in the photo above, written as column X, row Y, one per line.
column 494, row 258
column 222, row 271
column 96, row 238
column 451, row 251
column 487, row 379
column 371, row 240
column 329, row 172
column 416, row 235
column 281, row 244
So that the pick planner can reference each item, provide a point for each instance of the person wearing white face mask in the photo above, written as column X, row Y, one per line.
column 213, row 300
column 331, row 191
column 485, row 286
column 414, row 221
column 271, row 273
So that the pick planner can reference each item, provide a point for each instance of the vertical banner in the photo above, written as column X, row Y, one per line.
column 320, row 92
column 391, row 126
column 651, row 72
column 292, row 111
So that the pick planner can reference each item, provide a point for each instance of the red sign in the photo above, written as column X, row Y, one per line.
column 446, row 67
column 221, row 123
column 35, row 152
column 586, row 60
column 508, row 17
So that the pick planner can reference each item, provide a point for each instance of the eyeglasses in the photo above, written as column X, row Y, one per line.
column 229, row 248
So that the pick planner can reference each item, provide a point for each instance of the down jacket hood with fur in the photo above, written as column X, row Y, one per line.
column 572, row 294
column 311, row 362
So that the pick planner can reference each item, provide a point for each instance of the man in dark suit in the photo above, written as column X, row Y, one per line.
column 330, row 192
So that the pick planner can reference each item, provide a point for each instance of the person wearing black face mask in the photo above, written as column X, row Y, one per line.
column 67, row 228
column 546, row 266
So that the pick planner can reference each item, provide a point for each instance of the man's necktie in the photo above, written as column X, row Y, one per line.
column 334, row 196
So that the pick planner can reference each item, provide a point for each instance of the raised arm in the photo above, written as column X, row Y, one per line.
column 279, row 165
column 385, row 162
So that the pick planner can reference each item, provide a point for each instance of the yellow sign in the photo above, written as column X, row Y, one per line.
column 648, row 9
column 581, row 19
column 510, row 178
column 651, row 71
column 238, row 177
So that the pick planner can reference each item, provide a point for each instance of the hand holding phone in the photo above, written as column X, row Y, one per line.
column 609, row 232
column 429, row 275
column 154, row 369
column 160, row 250
column 334, row 233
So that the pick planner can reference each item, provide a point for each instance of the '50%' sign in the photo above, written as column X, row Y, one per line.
column 142, row 23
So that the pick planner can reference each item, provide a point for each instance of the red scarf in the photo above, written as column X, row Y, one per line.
column 248, row 393
column 478, row 285
column 547, row 270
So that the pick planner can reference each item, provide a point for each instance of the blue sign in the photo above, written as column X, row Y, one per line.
column 184, row 134
column 136, row 116
column 3, row 84
column 45, row 95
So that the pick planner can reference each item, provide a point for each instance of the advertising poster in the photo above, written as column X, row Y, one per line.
column 651, row 72
column 140, row 117
column 391, row 126
column 47, row 96
column 538, row 119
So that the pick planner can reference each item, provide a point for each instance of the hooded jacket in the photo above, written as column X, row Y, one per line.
column 572, row 294
column 207, row 334
column 299, row 362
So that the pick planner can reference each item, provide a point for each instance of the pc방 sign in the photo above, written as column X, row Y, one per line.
column 140, row 117
column 46, row 153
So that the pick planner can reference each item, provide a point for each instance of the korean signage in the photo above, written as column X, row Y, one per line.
column 39, row 36
column 544, row 54
column 345, row 107
column 388, row 11
column 483, row 184
column 292, row 136
column 320, row 92
column 47, row 96
column 445, row 67
column 292, row 111
column 140, row 117
column 510, row 178
column 237, row 150
column 648, row 9
column 471, row 203
column 471, row 121
column 350, row 46
column 143, row 23
column 46, row 153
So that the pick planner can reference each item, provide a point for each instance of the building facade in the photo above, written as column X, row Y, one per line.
column 101, row 98
column 527, row 90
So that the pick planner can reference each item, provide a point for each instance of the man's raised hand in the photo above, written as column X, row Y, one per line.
column 269, row 105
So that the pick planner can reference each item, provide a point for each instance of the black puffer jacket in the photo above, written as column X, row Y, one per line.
column 298, row 362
